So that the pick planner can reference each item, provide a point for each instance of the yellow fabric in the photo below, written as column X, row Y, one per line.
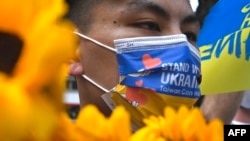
column 226, row 73
column 227, row 64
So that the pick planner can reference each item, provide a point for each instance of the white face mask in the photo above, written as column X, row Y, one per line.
column 160, row 67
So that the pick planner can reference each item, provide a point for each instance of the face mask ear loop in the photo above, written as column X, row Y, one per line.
column 94, row 83
column 96, row 42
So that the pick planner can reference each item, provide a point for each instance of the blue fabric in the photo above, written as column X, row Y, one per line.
column 170, row 70
column 219, row 23
column 224, row 43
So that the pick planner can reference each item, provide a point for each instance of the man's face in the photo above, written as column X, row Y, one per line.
column 131, row 18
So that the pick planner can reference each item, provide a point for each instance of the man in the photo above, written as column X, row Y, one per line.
column 108, row 20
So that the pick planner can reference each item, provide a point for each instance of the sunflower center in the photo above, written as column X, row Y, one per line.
column 10, row 50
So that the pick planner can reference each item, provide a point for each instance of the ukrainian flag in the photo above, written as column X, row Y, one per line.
column 224, row 43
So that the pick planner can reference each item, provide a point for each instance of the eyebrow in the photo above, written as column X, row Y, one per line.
column 191, row 19
column 157, row 9
column 143, row 4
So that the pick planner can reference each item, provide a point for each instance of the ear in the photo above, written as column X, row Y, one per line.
column 75, row 67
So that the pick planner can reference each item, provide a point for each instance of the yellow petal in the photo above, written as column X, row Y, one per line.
column 120, row 122
column 92, row 125
column 144, row 134
column 14, row 16
column 91, row 120
column 214, row 131
column 193, row 124
column 15, row 111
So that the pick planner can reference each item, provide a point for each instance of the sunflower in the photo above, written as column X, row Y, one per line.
column 91, row 125
column 181, row 125
column 40, row 26
column 32, row 82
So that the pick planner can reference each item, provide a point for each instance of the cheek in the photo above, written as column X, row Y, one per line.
column 100, row 64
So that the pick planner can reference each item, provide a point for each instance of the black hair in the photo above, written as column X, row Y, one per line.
column 203, row 9
column 80, row 13
column 201, row 12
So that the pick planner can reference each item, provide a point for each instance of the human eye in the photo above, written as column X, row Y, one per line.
column 192, row 37
column 147, row 25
